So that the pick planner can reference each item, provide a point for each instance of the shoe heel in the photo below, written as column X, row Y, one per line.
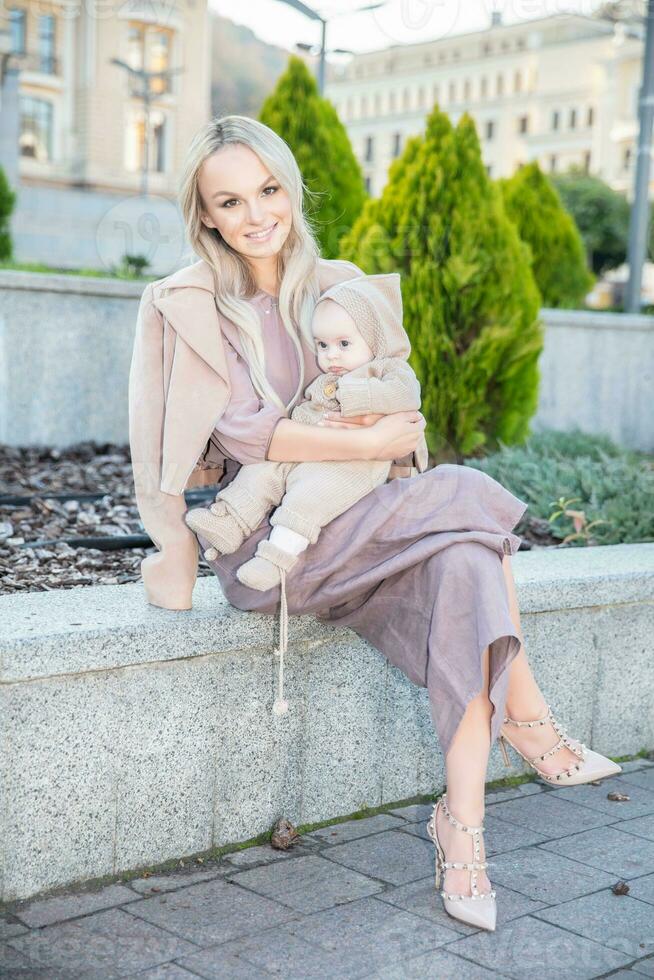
column 505, row 754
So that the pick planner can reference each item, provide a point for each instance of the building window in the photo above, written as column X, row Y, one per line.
column 626, row 158
column 367, row 183
column 590, row 118
column 363, row 106
column 377, row 103
column 348, row 109
column 552, row 162
column 500, row 85
column 47, row 62
column 486, row 48
column 406, row 99
column 573, row 118
column 451, row 92
column 489, row 169
column 520, row 45
column 391, row 101
column 483, row 88
column 517, row 82
column 555, row 119
column 369, row 148
column 17, row 30
column 397, row 144
column 490, row 129
column 421, row 97
column 149, row 49
column 523, row 124
column 35, row 140
column 435, row 93
column 136, row 150
column 466, row 90
column 587, row 158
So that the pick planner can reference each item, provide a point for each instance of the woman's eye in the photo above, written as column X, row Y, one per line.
column 320, row 344
column 346, row 342
column 270, row 187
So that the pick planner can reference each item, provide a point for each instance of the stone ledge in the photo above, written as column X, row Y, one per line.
column 133, row 735
column 72, row 631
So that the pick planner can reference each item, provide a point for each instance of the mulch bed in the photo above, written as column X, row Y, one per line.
column 33, row 556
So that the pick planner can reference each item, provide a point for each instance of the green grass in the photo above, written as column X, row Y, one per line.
column 102, row 273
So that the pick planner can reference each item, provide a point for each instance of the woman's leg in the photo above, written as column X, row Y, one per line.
column 466, row 764
column 524, row 700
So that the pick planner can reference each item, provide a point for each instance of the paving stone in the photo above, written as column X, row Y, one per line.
column 642, row 888
column 421, row 898
column 391, row 856
column 547, row 877
column 618, row 921
column 415, row 812
column 168, row 971
column 213, row 912
column 352, row 829
column 644, row 968
column 105, row 945
column 634, row 765
column 518, row 792
column 171, row 881
column 644, row 778
column 381, row 932
column 309, row 883
column 607, row 848
column 14, row 964
column 639, row 804
column 437, row 963
column 278, row 953
column 639, row 826
column 528, row 948
column 9, row 929
column 58, row 908
column 550, row 814
column 260, row 854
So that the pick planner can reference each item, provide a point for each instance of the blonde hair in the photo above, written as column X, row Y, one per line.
column 297, row 261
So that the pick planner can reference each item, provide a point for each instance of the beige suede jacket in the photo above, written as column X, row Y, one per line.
column 178, row 389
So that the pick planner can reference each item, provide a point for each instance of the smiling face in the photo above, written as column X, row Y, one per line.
column 339, row 345
column 241, row 200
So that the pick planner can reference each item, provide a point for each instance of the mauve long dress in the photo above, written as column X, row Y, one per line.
column 414, row 567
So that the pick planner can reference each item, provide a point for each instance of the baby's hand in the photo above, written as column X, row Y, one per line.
column 336, row 420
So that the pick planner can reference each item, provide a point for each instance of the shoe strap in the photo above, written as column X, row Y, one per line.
column 466, row 865
column 457, row 823
column 531, row 724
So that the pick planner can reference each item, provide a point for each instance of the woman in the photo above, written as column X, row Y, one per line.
column 420, row 567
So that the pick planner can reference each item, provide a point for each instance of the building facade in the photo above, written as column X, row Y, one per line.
column 561, row 90
column 83, row 121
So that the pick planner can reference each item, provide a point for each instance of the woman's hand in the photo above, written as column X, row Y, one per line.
column 387, row 437
column 336, row 420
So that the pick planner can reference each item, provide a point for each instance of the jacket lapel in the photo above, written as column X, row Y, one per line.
column 192, row 313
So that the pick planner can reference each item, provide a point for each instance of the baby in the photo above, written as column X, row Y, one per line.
column 362, row 350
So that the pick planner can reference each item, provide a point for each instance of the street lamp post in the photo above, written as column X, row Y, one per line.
column 145, row 94
column 313, row 15
column 637, row 249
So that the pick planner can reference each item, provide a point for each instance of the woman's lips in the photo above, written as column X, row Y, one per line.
column 262, row 238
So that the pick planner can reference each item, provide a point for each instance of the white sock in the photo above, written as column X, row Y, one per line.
column 288, row 540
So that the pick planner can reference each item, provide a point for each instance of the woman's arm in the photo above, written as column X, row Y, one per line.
column 391, row 437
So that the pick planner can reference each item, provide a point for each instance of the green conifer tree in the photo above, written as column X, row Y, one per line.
column 558, row 254
column 7, row 202
column 469, row 296
column 320, row 143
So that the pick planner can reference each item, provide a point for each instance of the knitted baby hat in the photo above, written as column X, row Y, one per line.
column 375, row 305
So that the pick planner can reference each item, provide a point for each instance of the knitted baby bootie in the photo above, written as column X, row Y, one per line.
column 262, row 571
column 219, row 526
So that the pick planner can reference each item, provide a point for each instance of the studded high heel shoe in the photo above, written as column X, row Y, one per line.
column 591, row 764
column 467, row 908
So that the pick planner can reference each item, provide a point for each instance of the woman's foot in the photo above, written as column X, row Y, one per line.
column 535, row 741
column 459, row 846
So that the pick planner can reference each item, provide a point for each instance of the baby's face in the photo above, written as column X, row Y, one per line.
column 339, row 345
